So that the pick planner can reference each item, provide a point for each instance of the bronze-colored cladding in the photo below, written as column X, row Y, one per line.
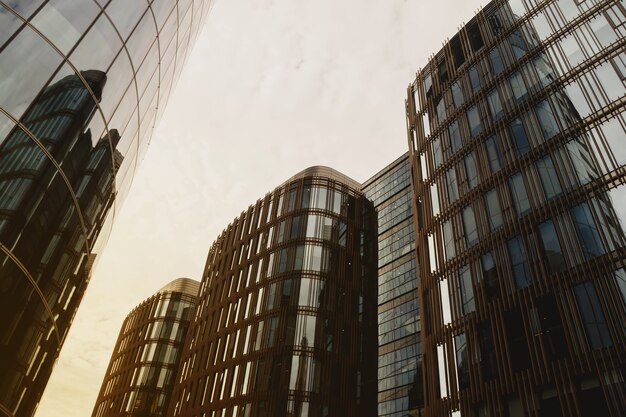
column 283, row 325
column 522, row 251
column 141, row 374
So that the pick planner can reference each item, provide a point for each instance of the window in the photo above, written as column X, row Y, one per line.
column 548, row 124
column 490, row 276
column 493, row 154
column 516, row 81
column 488, row 362
column 495, row 106
column 587, row 231
column 495, row 61
column 592, row 315
column 546, row 323
column 518, row 192
column 455, row 136
column 518, row 136
column 453, row 188
column 466, row 291
column 469, row 224
column 518, row 45
column 549, row 178
column 519, row 262
column 473, row 120
column 471, row 170
column 493, row 209
column 474, row 79
column 462, row 360
column 448, row 240
column 516, row 338
column 457, row 94
column 437, row 153
column 551, row 247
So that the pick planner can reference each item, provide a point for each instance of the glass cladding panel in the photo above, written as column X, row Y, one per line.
column 471, row 170
column 149, row 68
column 519, row 262
column 455, row 136
column 494, row 104
column 162, row 9
column 493, row 209
column 141, row 40
column 469, row 225
column 119, row 77
column 466, row 290
column 63, row 21
column 493, row 154
column 592, row 315
column 518, row 137
column 518, row 192
column 102, row 38
column 551, row 246
column 125, row 14
column 549, row 178
column 9, row 23
column 516, row 82
column 25, row 67
column 473, row 120
column 587, row 231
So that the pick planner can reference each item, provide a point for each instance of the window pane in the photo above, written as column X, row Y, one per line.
column 518, row 136
column 453, row 189
column 496, row 61
column 592, row 315
column 473, row 120
column 457, row 94
column 466, row 291
column 516, row 81
column 518, row 192
column 587, row 231
column 493, row 209
column 455, row 136
column 469, row 224
column 546, row 119
column 474, row 79
column 448, row 240
column 471, row 170
column 494, row 104
column 551, row 247
column 493, row 153
column 519, row 262
column 462, row 361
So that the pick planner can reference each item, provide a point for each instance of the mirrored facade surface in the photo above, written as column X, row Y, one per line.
column 516, row 132
column 140, row 375
column 399, row 345
column 282, row 326
column 82, row 83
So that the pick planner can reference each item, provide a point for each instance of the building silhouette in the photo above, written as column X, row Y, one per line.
column 282, row 326
column 81, row 87
column 140, row 376
column 516, row 136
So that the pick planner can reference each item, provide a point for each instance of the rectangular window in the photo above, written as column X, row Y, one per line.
column 495, row 106
column 518, row 192
column 462, row 361
column 519, row 262
column 592, row 315
column 474, row 79
column 488, row 361
column 493, row 209
column 473, row 120
column 587, row 231
column 448, row 240
column 549, row 178
column 490, row 276
column 516, row 82
column 469, row 224
column 471, row 170
column 551, row 247
column 437, row 153
column 455, row 136
column 493, row 154
column 466, row 291
column 518, row 45
column 457, row 94
column 495, row 60
column 518, row 137
column 453, row 188
column 516, row 338
column 548, row 124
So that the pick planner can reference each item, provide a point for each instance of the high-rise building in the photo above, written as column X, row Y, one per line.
column 140, row 376
column 282, row 326
column 82, row 83
column 399, row 344
column 517, row 142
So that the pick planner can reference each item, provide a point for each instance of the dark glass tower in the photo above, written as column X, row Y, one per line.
column 140, row 376
column 285, row 324
column 517, row 143
column 80, row 85
column 399, row 344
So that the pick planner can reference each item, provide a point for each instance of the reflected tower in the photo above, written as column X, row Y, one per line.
column 516, row 133
column 82, row 84
column 285, row 323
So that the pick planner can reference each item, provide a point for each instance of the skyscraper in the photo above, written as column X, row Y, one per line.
column 517, row 142
column 284, row 324
column 399, row 345
column 140, row 376
column 81, row 86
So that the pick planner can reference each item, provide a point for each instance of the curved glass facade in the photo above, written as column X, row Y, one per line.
column 517, row 134
column 282, row 326
column 82, row 83
column 140, row 375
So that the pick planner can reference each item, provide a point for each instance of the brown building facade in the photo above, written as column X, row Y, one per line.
column 282, row 326
column 140, row 376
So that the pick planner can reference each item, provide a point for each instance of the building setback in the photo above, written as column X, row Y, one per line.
column 517, row 142
column 282, row 326
column 140, row 376
column 399, row 344
column 82, row 84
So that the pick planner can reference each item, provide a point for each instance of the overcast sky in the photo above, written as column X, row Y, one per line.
column 272, row 87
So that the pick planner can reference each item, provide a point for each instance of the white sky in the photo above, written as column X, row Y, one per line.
column 272, row 87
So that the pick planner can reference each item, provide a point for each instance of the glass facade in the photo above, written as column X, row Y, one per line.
column 516, row 134
column 140, row 376
column 282, row 326
column 399, row 345
column 82, row 83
